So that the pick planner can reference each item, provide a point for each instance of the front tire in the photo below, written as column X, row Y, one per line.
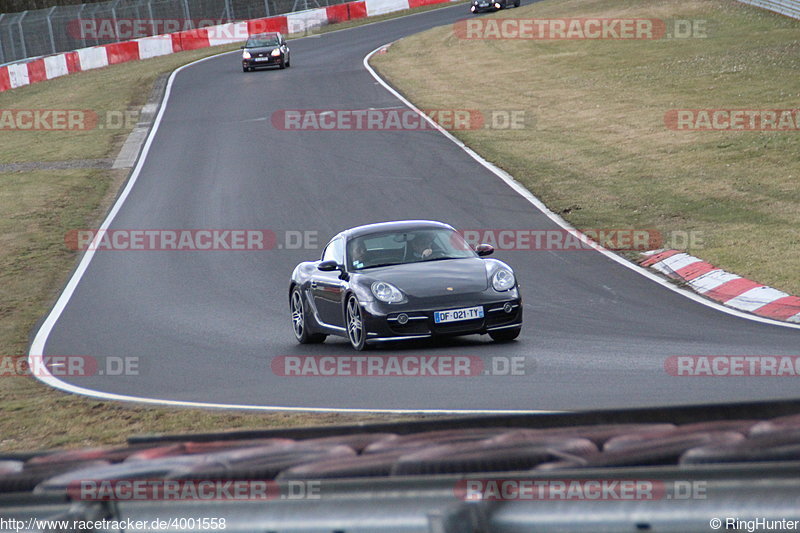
column 505, row 335
column 299, row 323
column 354, row 319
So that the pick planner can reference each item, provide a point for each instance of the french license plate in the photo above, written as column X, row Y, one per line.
column 454, row 315
column 262, row 59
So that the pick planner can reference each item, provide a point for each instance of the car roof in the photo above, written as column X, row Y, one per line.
column 264, row 35
column 397, row 225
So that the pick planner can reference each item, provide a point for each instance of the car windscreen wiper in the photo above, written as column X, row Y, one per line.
column 441, row 259
column 380, row 265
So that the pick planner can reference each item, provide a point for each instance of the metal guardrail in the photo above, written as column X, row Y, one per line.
column 790, row 8
column 59, row 29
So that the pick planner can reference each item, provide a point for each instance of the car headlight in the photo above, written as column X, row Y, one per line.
column 386, row 292
column 246, row 55
column 276, row 52
column 503, row 280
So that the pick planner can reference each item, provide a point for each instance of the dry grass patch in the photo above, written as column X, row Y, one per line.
column 596, row 144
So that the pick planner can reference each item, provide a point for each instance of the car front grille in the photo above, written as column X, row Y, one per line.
column 418, row 324
column 421, row 323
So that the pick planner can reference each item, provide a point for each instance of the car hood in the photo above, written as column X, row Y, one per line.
column 261, row 49
column 432, row 278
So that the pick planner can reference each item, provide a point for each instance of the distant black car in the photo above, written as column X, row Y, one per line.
column 265, row 50
column 491, row 5
column 401, row 280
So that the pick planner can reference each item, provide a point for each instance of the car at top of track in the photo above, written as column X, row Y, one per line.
column 265, row 50
column 401, row 280
column 477, row 6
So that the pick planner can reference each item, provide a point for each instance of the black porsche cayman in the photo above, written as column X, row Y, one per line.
column 402, row 280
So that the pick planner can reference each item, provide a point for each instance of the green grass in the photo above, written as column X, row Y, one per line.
column 597, row 149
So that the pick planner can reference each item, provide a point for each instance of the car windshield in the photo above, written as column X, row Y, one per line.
column 399, row 247
column 261, row 42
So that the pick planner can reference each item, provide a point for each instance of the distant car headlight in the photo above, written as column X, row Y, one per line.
column 276, row 52
column 386, row 292
column 503, row 280
column 246, row 55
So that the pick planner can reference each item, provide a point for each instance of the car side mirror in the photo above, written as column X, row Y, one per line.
column 484, row 249
column 242, row 47
column 328, row 266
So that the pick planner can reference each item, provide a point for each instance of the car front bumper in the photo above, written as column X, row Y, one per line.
column 269, row 61
column 384, row 322
column 476, row 8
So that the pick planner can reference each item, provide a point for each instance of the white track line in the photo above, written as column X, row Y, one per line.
column 525, row 193
column 37, row 347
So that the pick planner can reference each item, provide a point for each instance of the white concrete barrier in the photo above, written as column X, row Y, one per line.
column 56, row 66
column 18, row 74
column 158, row 45
column 379, row 7
column 94, row 57
column 303, row 21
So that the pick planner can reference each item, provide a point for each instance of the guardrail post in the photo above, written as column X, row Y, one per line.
column 22, row 35
column 11, row 39
column 2, row 55
column 114, row 17
column 50, row 30
column 80, row 26
column 150, row 14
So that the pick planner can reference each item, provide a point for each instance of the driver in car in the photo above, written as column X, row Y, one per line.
column 358, row 254
column 421, row 246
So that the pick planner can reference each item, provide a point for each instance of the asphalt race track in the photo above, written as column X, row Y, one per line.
column 205, row 325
